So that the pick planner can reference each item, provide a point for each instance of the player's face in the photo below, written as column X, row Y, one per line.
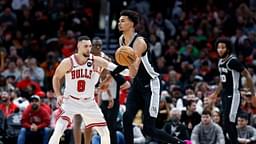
column 222, row 50
column 96, row 47
column 124, row 23
column 84, row 47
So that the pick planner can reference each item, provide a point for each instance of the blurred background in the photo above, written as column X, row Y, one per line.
column 35, row 35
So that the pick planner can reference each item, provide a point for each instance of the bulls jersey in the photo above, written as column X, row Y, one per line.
column 145, row 71
column 80, row 81
column 230, row 70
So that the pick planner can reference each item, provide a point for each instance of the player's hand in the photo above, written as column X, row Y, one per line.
column 59, row 100
column 103, row 86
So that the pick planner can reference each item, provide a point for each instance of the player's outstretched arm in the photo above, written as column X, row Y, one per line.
column 99, row 61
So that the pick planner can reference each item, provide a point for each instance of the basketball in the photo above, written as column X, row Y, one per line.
column 125, row 56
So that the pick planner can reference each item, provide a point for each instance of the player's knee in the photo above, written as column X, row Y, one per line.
column 104, row 132
column 77, row 120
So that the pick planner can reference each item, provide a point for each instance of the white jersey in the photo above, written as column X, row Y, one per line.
column 80, row 81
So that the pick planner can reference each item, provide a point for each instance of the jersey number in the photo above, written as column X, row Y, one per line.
column 80, row 85
column 223, row 78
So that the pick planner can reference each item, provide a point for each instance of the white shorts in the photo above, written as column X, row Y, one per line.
column 87, row 108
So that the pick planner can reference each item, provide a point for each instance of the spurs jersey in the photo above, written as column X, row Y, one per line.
column 230, row 70
column 80, row 81
column 145, row 71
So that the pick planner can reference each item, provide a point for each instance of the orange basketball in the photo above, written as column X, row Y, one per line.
column 125, row 56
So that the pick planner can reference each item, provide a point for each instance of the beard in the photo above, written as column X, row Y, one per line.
column 224, row 55
column 86, row 55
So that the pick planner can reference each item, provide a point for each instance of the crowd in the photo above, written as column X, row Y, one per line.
column 36, row 35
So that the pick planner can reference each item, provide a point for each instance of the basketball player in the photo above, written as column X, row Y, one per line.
column 81, row 74
column 97, row 51
column 230, row 73
column 145, row 91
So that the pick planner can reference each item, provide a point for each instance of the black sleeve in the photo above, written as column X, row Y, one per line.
column 117, row 70
column 236, row 65
column 119, row 79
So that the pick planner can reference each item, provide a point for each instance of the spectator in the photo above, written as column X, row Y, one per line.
column 174, row 127
column 209, row 105
column 8, row 17
column 13, row 126
column 163, row 114
column 49, row 66
column 20, row 66
column 27, row 86
column 36, row 72
column 207, row 132
column 35, row 121
column 21, row 103
column 12, row 71
column 246, row 133
column 190, row 117
column 7, row 106
column 138, row 136
column 19, row 4
column 216, row 117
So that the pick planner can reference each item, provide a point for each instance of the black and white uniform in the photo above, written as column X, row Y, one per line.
column 230, row 74
column 144, row 94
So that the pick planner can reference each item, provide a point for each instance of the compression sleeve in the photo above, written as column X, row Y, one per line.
column 117, row 69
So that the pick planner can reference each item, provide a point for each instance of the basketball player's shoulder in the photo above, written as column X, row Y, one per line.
column 140, row 42
column 66, row 60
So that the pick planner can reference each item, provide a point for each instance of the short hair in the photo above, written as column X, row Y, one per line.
column 206, row 112
column 190, row 102
column 97, row 39
column 83, row 38
column 244, row 115
column 132, row 15
column 226, row 41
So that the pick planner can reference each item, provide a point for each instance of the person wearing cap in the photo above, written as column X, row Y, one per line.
column 35, row 121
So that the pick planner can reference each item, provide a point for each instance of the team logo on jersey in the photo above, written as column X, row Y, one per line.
column 224, row 70
column 89, row 64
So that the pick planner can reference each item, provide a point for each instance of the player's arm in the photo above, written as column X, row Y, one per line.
column 140, row 47
column 58, row 76
column 216, row 93
column 99, row 61
column 249, row 82
column 236, row 65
